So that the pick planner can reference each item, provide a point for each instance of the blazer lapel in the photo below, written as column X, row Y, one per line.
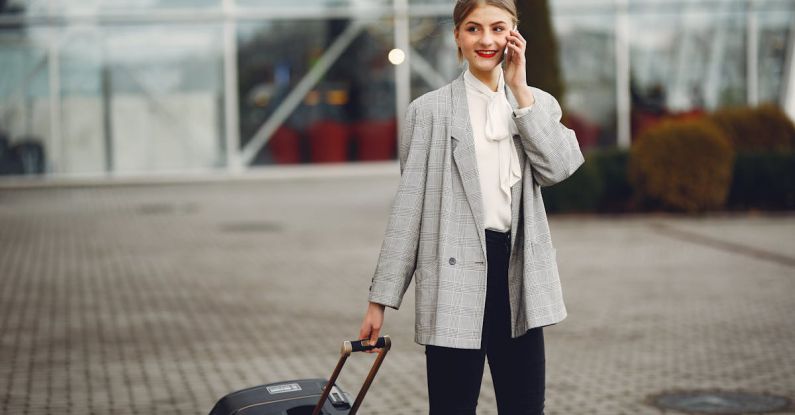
column 464, row 155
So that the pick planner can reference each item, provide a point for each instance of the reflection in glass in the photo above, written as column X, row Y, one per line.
column 138, row 85
column 433, row 58
column 587, row 56
column 347, row 115
column 686, row 62
column 774, row 33
column 23, row 7
column 144, row 98
column 25, row 136
column 310, row 3
column 116, row 6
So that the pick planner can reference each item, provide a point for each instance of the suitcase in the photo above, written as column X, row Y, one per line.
column 305, row 396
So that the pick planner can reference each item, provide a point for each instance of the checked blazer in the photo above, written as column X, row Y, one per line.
column 435, row 228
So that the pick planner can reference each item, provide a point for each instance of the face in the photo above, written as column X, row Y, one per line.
column 482, row 37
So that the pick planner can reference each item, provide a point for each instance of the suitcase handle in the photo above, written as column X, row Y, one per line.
column 359, row 345
column 384, row 344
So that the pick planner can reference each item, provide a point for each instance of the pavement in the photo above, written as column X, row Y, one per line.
column 160, row 298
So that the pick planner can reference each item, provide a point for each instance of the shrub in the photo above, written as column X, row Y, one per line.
column 612, row 167
column 761, row 129
column 763, row 181
column 581, row 192
column 600, row 184
column 684, row 165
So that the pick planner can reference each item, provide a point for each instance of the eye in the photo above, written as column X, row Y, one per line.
column 471, row 29
column 499, row 29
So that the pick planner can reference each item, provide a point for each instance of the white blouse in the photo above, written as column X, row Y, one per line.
column 498, row 164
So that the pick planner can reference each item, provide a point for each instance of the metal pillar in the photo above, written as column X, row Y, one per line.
column 55, row 150
column 623, row 99
column 788, row 83
column 678, row 85
column 752, row 54
column 715, row 62
column 402, row 71
column 231, row 110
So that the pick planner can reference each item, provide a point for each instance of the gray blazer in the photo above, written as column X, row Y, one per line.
column 435, row 229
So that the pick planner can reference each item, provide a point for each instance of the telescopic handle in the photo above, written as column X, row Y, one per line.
column 363, row 344
column 383, row 343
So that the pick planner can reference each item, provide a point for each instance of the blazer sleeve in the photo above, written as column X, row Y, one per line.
column 551, row 148
column 398, row 258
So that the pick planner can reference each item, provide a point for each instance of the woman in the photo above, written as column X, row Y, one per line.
column 468, row 219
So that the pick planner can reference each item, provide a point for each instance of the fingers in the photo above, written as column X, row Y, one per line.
column 374, row 338
column 516, row 47
column 371, row 327
column 371, row 333
column 364, row 332
column 517, row 37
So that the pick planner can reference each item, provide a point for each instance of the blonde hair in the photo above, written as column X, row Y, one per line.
column 464, row 7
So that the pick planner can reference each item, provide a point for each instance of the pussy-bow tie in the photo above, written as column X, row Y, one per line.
column 500, row 128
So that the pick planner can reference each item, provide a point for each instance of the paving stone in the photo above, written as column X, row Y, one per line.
column 163, row 298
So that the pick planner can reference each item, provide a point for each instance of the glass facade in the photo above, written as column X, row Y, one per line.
column 587, row 53
column 140, row 98
column 775, row 37
column 335, row 119
column 102, row 87
column 687, row 59
column 434, row 61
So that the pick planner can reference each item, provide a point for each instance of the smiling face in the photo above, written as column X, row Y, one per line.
column 482, row 37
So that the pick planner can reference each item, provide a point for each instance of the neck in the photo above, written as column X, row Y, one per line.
column 490, row 78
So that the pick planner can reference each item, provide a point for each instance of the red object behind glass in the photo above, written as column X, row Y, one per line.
column 376, row 139
column 328, row 141
column 284, row 146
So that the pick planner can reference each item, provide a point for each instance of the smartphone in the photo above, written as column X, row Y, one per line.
column 505, row 51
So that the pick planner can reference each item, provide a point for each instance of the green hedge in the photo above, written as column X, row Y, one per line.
column 582, row 192
column 600, row 184
column 759, row 181
column 763, row 181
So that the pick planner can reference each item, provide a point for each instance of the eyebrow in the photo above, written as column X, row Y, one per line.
column 478, row 24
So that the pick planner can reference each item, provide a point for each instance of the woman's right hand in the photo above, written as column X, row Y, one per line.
column 373, row 321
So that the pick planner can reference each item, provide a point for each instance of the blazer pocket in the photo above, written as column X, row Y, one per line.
column 473, row 257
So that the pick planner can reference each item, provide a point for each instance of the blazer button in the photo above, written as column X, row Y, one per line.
column 452, row 261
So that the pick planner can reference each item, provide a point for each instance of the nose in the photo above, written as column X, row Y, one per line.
column 487, row 39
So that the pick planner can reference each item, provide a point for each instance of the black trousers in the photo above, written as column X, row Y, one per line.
column 517, row 365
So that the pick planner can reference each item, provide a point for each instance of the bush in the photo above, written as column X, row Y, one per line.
column 581, row 192
column 617, row 192
column 600, row 184
column 762, row 129
column 683, row 165
column 763, row 181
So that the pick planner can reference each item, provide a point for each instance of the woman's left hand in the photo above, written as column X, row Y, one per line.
column 515, row 65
